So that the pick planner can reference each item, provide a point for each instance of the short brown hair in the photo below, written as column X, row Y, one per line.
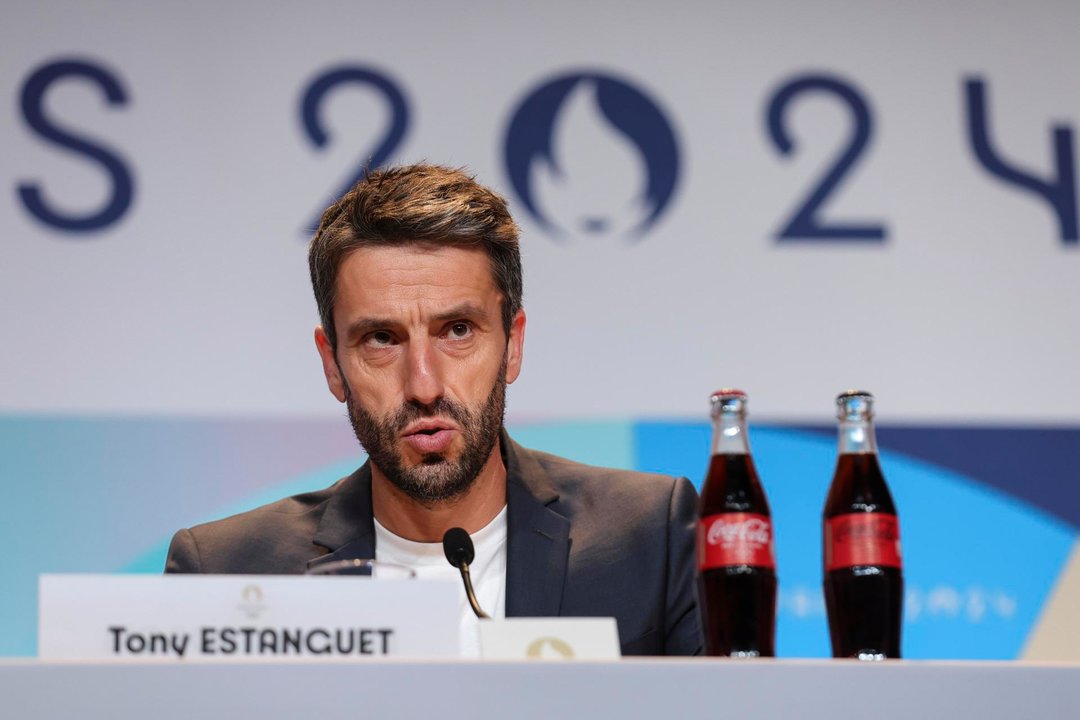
column 421, row 204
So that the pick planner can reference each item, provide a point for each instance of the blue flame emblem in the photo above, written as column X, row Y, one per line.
column 638, row 119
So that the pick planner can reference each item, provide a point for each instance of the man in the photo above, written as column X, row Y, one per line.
column 417, row 277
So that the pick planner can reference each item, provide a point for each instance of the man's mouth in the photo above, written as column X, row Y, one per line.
column 429, row 436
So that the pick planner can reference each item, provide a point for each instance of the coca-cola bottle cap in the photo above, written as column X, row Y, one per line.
column 728, row 400
column 854, row 405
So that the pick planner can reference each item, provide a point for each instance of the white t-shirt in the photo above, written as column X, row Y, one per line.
column 488, row 571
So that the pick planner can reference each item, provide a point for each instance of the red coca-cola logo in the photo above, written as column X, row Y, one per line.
column 729, row 530
column 729, row 539
column 874, row 528
column 862, row 539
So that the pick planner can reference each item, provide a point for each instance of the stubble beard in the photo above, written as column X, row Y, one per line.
column 436, row 478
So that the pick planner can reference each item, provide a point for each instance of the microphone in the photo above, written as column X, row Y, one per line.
column 458, row 547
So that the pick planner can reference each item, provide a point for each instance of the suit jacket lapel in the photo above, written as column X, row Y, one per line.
column 346, row 529
column 538, row 537
column 537, row 544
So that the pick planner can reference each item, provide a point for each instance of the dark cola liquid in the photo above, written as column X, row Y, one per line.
column 738, row 602
column 864, row 602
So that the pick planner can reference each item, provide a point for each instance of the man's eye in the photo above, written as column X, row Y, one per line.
column 459, row 330
column 380, row 338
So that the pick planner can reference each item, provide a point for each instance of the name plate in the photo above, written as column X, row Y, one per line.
column 549, row 639
column 245, row 618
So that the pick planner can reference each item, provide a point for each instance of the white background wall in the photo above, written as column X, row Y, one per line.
column 197, row 301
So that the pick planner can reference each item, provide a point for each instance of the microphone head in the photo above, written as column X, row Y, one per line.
column 458, row 547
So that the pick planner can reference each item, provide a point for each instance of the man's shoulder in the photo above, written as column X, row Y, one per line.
column 272, row 538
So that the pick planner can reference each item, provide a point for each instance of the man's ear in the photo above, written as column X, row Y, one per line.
column 515, row 346
column 330, row 367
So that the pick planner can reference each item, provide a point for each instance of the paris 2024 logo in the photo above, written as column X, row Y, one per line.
column 591, row 156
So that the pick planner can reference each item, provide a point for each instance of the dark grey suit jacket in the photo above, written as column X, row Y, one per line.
column 582, row 541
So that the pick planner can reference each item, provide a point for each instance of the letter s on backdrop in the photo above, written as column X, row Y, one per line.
column 33, row 100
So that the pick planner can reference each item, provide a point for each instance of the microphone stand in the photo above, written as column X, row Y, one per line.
column 458, row 547
column 465, row 578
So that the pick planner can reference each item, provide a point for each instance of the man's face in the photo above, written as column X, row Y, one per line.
column 422, row 363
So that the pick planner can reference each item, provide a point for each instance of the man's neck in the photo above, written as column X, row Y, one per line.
column 471, row 511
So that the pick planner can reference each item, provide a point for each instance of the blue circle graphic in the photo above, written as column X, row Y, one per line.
column 626, row 108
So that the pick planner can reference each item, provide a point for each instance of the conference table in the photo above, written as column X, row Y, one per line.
column 693, row 688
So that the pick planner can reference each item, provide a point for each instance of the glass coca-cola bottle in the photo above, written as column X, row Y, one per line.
column 736, row 559
column 864, row 584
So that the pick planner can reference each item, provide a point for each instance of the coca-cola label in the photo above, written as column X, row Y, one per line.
column 735, row 539
column 862, row 539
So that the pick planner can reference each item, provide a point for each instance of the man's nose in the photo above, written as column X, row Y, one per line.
column 423, row 379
